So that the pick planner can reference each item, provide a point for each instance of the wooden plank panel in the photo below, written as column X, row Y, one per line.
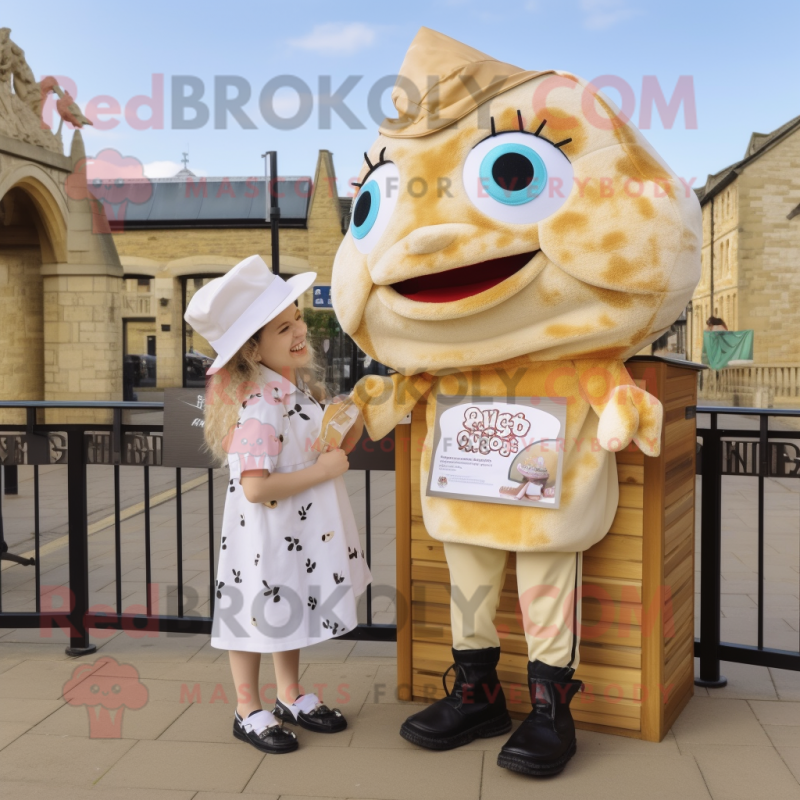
column 684, row 550
column 681, row 696
column 427, row 551
column 680, row 432
column 604, row 722
column 678, row 469
column 630, row 496
column 680, row 661
column 429, row 571
column 613, row 545
column 682, row 528
column 630, row 473
column 627, row 521
column 601, row 653
column 677, row 509
column 430, row 592
column 680, row 489
column 683, row 385
column 678, row 575
column 611, row 568
column 652, row 574
column 631, row 456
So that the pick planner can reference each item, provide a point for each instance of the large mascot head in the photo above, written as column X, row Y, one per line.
column 505, row 213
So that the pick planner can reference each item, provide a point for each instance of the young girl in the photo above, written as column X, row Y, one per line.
column 290, row 561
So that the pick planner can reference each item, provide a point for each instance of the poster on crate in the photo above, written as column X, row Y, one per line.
column 506, row 450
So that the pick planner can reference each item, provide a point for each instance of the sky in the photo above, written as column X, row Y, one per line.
column 734, row 61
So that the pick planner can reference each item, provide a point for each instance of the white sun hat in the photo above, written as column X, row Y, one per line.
column 229, row 310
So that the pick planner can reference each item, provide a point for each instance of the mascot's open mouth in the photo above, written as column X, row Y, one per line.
column 461, row 282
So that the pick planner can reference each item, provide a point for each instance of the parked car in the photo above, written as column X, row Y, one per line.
column 196, row 365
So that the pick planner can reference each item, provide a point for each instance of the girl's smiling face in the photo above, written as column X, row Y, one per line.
column 282, row 343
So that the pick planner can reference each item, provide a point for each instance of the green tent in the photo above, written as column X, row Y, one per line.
column 722, row 347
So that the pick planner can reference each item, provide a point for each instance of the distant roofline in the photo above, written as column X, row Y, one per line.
column 710, row 189
column 187, row 178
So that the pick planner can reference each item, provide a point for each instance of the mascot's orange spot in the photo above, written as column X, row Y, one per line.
column 621, row 269
column 612, row 298
column 613, row 240
column 644, row 205
column 565, row 331
column 638, row 164
column 548, row 291
column 567, row 219
column 558, row 127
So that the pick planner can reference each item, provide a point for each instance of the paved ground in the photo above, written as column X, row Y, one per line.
column 739, row 742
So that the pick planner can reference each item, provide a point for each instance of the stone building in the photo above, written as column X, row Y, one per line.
column 60, row 283
column 175, row 234
column 92, row 269
column 751, row 268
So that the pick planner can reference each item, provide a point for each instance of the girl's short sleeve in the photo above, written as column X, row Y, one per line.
column 255, row 441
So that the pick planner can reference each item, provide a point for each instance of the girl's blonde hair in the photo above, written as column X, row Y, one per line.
column 239, row 378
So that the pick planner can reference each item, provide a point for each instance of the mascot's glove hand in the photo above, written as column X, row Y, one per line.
column 631, row 414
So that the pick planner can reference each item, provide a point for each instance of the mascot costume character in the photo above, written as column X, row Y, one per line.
column 513, row 235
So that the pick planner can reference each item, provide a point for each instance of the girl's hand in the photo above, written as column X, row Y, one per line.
column 333, row 463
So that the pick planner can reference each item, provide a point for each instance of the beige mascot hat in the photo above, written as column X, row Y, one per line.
column 510, row 214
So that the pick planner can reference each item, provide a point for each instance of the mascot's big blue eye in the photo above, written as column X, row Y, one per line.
column 517, row 177
column 513, row 173
column 365, row 210
column 373, row 206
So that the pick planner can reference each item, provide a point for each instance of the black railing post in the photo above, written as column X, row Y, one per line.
column 11, row 483
column 711, row 559
column 77, row 514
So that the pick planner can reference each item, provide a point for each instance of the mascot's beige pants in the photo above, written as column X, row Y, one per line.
column 547, row 584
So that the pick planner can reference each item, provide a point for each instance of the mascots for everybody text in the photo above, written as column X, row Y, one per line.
column 514, row 236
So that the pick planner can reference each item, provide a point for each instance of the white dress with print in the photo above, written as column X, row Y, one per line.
column 287, row 576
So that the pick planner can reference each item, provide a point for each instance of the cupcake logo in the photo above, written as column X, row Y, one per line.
column 106, row 688
column 442, row 480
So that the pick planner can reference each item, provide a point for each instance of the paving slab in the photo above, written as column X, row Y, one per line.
column 601, row 776
column 744, row 772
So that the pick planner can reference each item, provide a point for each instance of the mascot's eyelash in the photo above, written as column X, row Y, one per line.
column 536, row 133
column 372, row 167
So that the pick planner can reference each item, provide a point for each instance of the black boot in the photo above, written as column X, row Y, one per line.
column 474, row 708
column 545, row 740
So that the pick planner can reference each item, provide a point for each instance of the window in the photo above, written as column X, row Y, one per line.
column 198, row 354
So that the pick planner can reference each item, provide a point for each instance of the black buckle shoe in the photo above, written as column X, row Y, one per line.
column 308, row 712
column 269, row 739
column 474, row 708
column 545, row 741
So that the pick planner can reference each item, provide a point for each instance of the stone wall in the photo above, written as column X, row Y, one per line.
column 83, row 341
column 726, row 270
column 170, row 256
column 60, row 284
column 21, row 328
column 769, row 253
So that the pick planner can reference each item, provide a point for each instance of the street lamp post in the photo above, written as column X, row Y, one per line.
column 273, row 213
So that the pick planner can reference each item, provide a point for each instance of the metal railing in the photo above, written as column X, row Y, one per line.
column 76, row 446
column 762, row 453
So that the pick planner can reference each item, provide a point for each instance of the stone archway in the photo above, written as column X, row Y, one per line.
column 32, row 232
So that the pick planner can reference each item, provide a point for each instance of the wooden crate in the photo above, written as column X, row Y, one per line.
column 637, row 636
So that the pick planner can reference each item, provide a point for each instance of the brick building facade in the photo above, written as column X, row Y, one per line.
column 751, row 265
column 193, row 229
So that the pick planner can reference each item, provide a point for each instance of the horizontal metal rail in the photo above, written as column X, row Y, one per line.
column 86, row 444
